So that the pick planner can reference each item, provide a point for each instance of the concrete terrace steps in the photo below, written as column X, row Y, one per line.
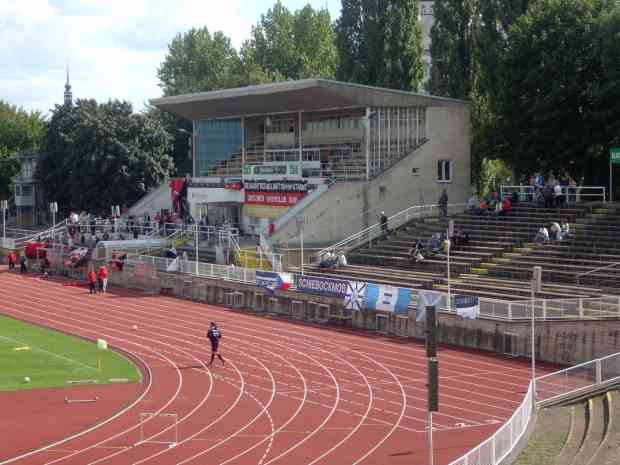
column 597, row 417
column 401, row 277
column 576, row 434
column 609, row 450
column 566, row 288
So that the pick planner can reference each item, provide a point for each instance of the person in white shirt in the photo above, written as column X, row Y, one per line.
column 565, row 228
column 342, row 260
column 542, row 235
column 557, row 195
column 555, row 231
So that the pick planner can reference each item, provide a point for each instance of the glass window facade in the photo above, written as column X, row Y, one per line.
column 216, row 140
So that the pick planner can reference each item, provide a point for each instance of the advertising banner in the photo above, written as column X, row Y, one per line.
column 271, row 198
column 322, row 286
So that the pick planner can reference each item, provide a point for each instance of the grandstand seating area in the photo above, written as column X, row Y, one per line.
column 498, row 259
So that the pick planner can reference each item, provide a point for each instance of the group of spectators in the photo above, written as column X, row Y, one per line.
column 438, row 245
column 490, row 204
column 331, row 260
column 553, row 231
column 97, row 280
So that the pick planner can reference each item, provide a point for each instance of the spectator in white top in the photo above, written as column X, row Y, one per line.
column 555, row 231
column 342, row 260
column 472, row 203
column 542, row 235
column 557, row 195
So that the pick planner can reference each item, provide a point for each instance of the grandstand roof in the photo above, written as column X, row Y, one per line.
column 292, row 96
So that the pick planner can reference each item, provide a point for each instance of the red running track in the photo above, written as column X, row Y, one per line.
column 290, row 393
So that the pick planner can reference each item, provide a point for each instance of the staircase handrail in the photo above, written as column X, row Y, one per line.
column 600, row 268
column 572, row 194
column 394, row 221
column 41, row 234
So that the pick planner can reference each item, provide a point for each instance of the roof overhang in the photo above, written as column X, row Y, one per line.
column 291, row 96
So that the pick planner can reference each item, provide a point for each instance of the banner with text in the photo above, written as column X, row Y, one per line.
column 273, row 198
column 321, row 286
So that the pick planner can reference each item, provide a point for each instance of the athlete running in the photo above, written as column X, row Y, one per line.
column 214, row 336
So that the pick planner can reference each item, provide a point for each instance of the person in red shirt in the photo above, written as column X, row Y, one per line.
column 12, row 259
column 103, row 279
column 92, row 281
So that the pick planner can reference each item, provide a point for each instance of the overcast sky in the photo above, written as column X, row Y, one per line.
column 113, row 47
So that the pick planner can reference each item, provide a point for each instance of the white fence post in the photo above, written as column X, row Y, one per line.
column 580, row 307
column 544, row 309
column 510, row 311
column 599, row 375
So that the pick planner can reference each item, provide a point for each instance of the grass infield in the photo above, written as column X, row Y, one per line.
column 52, row 359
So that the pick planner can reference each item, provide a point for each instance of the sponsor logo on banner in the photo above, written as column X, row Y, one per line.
column 273, row 198
column 467, row 306
column 322, row 286
column 387, row 298
column 426, row 299
column 276, row 186
column 273, row 281
column 354, row 298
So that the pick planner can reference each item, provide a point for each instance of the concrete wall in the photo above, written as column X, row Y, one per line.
column 153, row 202
column 349, row 207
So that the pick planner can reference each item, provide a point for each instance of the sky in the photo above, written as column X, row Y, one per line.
column 113, row 47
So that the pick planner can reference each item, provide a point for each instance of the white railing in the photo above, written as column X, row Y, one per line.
column 398, row 219
column 495, row 449
column 579, row 277
column 205, row 270
column 583, row 377
column 570, row 195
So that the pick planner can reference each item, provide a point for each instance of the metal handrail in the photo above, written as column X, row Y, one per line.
column 567, row 191
column 394, row 221
column 611, row 265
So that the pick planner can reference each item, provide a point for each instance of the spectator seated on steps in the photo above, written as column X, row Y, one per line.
column 329, row 261
column 460, row 238
column 555, row 231
column 565, row 228
column 415, row 252
column 342, row 260
column 542, row 235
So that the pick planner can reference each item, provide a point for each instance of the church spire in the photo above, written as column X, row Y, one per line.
column 68, row 93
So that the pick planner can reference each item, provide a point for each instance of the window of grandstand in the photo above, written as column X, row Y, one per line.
column 217, row 140
column 326, row 124
column 444, row 170
column 26, row 190
column 278, row 125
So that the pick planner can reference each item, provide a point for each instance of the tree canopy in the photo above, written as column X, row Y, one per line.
column 97, row 155
column 19, row 131
column 380, row 43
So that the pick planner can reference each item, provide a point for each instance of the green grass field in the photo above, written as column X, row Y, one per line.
column 50, row 359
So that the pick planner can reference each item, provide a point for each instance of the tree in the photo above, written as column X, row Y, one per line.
column 286, row 45
column 19, row 131
column 559, row 71
column 97, row 155
column 198, row 61
column 380, row 43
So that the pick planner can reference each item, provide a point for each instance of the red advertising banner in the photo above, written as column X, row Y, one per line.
column 283, row 199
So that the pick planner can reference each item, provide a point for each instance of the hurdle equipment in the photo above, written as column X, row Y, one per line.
column 159, row 428
column 80, row 401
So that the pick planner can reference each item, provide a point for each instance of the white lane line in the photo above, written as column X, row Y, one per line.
column 53, row 354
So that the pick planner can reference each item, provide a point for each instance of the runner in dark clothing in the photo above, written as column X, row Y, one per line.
column 214, row 336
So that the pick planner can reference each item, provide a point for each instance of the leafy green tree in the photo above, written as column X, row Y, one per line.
column 19, row 131
column 380, row 43
column 97, row 155
column 558, row 72
column 287, row 45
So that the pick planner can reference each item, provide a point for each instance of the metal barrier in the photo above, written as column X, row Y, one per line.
column 398, row 219
column 502, row 442
column 583, row 377
column 570, row 195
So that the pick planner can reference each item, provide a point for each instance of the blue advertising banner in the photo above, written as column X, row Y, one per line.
column 322, row 286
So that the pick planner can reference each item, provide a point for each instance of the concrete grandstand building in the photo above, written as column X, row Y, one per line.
column 334, row 153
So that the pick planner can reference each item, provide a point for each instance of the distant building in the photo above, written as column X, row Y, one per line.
column 28, row 197
column 68, row 93
column 427, row 19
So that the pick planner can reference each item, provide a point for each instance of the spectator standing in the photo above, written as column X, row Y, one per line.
column 557, row 195
column 443, row 203
column 23, row 264
column 472, row 203
column 103, row 279
column 12, row 259
column 383, row 220
column 91, row 277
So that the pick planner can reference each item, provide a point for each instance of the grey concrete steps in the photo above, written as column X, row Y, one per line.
column 609, row 451
column 576, row 434
column 595, row 430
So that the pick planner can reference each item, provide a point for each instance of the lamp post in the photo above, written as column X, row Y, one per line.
column 53, row 210
column 536, row 287
column 4, row 206
column 450, row 235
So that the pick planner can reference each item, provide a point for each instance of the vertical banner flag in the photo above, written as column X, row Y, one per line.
column 387, row 298
column 354, row 296
column 426, row 299
column 273, row 281
column 467, row 306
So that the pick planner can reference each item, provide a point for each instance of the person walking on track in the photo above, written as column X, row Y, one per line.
column 214, row 336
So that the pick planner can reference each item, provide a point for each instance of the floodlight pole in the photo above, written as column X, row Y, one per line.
column 196, row 241
column 4, row 205
column 301, row 239
column 430, row 438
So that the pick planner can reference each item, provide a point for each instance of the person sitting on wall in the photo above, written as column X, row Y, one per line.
column 342, row 260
